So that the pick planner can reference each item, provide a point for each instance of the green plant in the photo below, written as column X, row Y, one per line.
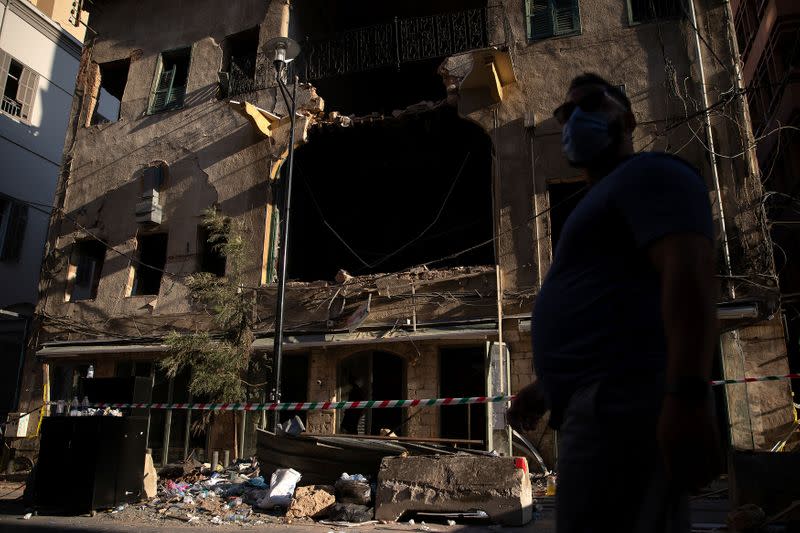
column 218, row 362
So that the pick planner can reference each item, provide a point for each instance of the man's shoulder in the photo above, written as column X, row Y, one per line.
column 659, row 161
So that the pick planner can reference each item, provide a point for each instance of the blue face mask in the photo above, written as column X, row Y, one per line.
column 585, row 135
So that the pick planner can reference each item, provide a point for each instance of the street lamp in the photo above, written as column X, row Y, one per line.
column 283, row 50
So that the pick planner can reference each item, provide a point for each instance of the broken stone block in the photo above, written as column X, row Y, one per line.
column 314, row 501
column 150, row 477
column 454, row 483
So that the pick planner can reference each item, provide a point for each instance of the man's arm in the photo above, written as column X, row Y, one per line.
column 686, row 265
column 687, row 433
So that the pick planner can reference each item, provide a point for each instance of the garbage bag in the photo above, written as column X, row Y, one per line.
column 281, row 488
column 349, row 512
column 357, row 492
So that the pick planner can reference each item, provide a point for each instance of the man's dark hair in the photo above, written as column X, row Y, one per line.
column 590, row 78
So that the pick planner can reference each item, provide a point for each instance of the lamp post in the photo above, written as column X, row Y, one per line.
column 285, row 50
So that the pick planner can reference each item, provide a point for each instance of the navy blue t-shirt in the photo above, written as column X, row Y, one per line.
column 598, row 313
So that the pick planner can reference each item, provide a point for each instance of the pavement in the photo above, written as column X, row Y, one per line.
column 705, row 513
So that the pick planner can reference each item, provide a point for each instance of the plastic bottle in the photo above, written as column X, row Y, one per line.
column 60, row 407
column 551, row 485
column 73, row 407
column 90, row 372
column 85, row 406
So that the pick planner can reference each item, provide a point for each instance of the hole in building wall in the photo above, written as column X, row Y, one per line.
column 209, row 258
column 462, row 373
column 389, row 195
column 85, row 267
column 152, row 254
column 374, row 375
column 239, row 61
column 362, row 91
column 294, row 384
column 113, row 79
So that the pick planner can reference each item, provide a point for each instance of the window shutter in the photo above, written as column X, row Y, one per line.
column 176, row 95
column 26, row 94
column 540, row 18
column 18, row 219
column 163, row 89
column 566, row 16
column 5, row 63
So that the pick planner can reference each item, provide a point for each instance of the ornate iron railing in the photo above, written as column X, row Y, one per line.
column 404, row 40
column 401, row 41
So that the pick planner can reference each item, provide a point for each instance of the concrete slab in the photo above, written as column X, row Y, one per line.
column 495, row 485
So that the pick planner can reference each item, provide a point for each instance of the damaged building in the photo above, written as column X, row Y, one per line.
column 429, row 192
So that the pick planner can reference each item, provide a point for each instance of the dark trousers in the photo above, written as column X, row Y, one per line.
column 610, row 474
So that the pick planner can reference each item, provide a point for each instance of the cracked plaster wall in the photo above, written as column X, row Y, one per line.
column 215, row 157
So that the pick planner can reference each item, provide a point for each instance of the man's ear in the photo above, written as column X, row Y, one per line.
column 630, row 121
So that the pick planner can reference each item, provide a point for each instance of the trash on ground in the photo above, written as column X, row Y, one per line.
column 350, row 512
column 27, row 516
column 353, row 489
column 281, row 488
column 315, row 501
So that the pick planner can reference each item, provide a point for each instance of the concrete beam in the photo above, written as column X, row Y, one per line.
column 495, row 485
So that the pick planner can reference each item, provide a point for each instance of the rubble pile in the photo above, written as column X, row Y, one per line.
column 191, row 492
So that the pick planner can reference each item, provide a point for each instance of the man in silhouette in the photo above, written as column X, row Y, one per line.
column 624, row 329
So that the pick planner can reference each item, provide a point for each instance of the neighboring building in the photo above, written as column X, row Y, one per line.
column 768, row 35
column 69, row 14
column 38, row 65
column 428, row 166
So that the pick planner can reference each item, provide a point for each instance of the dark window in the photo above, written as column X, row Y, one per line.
column 154, row 177
column 210, row 258
column 87, row 264
column 169, row 90
column 239, row 62
column 19, row 85
column 113, row 79
column 564, row 197
column 777, row 66
column 13, row 220
column 649, row 10
column 462, row 373
column 549, row 18
column 152, row 259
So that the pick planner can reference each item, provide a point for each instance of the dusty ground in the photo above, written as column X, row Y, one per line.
column 141, row 518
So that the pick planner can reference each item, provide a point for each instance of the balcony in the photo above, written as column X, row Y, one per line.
column 404, row 40
column 11, row 107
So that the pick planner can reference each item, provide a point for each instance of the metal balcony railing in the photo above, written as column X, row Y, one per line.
column 404, row 40
column 11, row 107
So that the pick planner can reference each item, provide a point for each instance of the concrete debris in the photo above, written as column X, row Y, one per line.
column 314, row 501
column 454, row 483
column 343, row 276
column 293, row 427
column 150, row 477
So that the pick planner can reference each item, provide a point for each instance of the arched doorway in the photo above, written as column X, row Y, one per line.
column 371, row 375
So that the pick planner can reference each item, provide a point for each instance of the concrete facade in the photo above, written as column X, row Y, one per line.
column 767, row 39
column 33, row 122
column 416, row 315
